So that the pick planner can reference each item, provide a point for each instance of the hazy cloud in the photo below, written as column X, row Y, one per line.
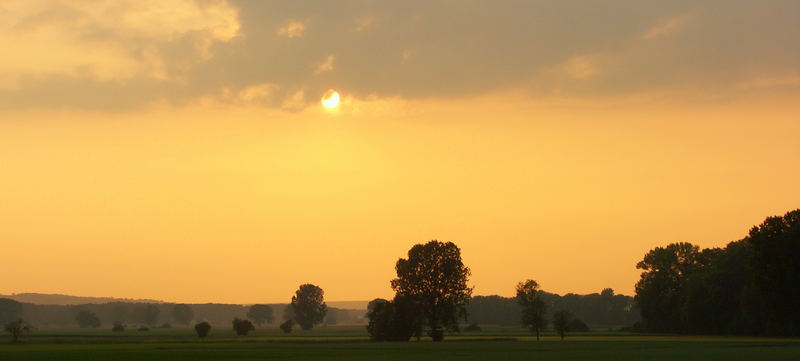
column 118, row 55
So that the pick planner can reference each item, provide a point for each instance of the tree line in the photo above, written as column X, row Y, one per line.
column 749, row 287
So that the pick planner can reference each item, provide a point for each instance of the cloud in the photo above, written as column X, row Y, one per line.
column 666, row 27
column 294, row 29
column 120, row 55
column 327, row 65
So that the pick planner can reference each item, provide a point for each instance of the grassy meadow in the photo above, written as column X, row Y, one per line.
column 350, row 343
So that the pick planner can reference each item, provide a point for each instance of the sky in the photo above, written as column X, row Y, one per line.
column 179, row 150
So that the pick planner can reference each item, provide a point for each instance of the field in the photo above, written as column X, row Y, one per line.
column 350, row 343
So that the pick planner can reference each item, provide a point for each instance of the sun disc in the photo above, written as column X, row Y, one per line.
column 331, row 99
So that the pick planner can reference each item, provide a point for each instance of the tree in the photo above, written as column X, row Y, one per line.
column 202, row 329
column 309, row 306
column 87, row 319
column 242, row 327
column 10, row 310
column 182, row 314
column 776, row 251
column 435, row 278
column 260, row 314
column 287, row 326
column 395, row 320
column 561, row 321
column 147, row 314
column 533, row 307
column 576, row 325
column 16, row 328
column 661, row 290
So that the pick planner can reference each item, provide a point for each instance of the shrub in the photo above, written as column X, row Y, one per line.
column 286, row 326
column 473, row 327
column 118, row 327
column 576, row 325
column 202, row 329
column 242, row 327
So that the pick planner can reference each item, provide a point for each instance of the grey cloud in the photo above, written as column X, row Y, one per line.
column 423, row 49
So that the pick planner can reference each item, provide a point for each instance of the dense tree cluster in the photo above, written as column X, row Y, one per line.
column 430, row 292
column 604, row 309
column 752, row 286
column 87, row 319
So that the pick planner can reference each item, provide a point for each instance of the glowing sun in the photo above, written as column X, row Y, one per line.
column 331, row 99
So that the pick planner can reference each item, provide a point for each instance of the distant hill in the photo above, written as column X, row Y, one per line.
column 51, row 299
column 55, row 299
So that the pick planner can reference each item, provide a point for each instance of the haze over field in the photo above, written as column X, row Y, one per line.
column 180, row 150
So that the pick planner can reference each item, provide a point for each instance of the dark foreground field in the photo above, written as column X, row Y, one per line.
column 350, row 344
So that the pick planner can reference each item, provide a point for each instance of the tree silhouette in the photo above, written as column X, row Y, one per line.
column 182, row 314
column 435, row 278
column 260, row 314
column 776, row 251
column 16, row 328
column 533, row 307
column 202, row 329
column 308, row 305
column 287, row 326
column 87, row 319
column 242, row 327
column 561, row 321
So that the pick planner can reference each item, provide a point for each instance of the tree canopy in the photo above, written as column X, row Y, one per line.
column 435, row 277
column 534, row 309
column 309, row 306
column 260, row 314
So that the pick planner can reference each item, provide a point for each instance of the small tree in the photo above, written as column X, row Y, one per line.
column 533, row 307
column 561, row 320
column 202, row 329
column 308, row 305
column 87, row 319
column 182, row 314
column 286, row 326
column 260, row 314
column 242, row 327
column 17, row 328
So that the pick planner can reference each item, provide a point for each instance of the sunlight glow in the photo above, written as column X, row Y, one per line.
column 331, row 99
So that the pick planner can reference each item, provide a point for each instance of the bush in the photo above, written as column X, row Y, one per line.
column 118, row 327
column 286, row 326
column 473, row 327
column 393, row 320
column 242, row 327
column 166, row 325
column 202, row 329
column 576, row 325
column 144, row 329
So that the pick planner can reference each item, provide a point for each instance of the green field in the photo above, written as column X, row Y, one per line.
column 350, row 343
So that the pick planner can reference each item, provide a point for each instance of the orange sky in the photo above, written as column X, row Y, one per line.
column 172, row 168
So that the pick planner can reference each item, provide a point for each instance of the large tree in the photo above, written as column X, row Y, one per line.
column 182, row 314
column 776, row 266
column 260, row 314
column 662, row 289
column 435, row 278
column 534, row 309
column 309, row 306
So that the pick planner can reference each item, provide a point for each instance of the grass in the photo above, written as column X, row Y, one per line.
column 350, row 343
